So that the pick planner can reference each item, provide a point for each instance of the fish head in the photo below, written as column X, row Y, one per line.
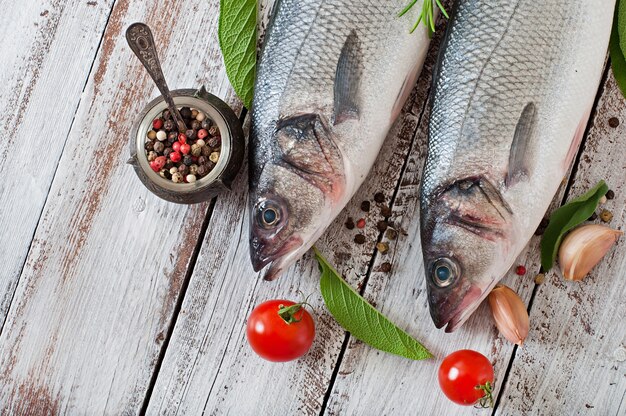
column 465, row 242
column 292, row 197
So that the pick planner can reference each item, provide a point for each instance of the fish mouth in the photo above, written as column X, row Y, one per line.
column 462, row 312
column 279, row 259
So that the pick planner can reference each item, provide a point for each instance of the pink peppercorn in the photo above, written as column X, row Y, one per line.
column 157, row 124
column 360, row 223
column 160, row 162
column 176, row 146
column 175, row 156
column 182, row 138
column 520, row 270
column 202, row 133
column 185, row 149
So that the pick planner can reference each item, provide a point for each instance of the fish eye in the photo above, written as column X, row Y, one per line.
column 444, row 272
column 268, row 214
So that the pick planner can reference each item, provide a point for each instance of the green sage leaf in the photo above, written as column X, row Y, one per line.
column 567, row 217
column 237, row 36
column 362, row 320
column 617, row 45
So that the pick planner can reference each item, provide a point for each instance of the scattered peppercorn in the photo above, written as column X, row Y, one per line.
column 606, row 215
column 382, row 226
column 520, row 270
column 349, row 223
column 383, row 248
column 385, row 267
column 540, row 278
column 391, row 234
column 614, row 122
column 359, row 239
column 379, row 197
column 365, row 206
column 610, row 194
column 360, row 223
column 593, row 217
column 193, row 153
column 385, row 211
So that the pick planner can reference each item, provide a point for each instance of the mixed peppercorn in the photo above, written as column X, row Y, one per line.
column 183, row 156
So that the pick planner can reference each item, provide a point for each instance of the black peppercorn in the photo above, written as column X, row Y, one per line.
column 365, row 206
column 385, row 267
column 167, row 151
column 350, row 223
column 214, row 131
column 149, row 146
column 191, row 134
column 210, row 165
column 169, row 125
column 205, row 151
column 614, row 122
column 183, row 169
column 202, row 160
column 169, row 164
column 382, row 226
column 359, row 239
column 159, row 147
column 202, row 170
column 379, row 197
column 187, row 160
column 206, row 124
column 593, row 217
column 185, row 112
column 385, row 211
column 167, row 115
column 196, row 125
column 610, row 194
column 213, row 142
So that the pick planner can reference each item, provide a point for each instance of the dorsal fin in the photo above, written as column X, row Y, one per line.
column 518, row 155
column 348, row 80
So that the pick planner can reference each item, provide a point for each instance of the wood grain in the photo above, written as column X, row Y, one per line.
column 574, row 360
column 108, row 259
column 42, row 76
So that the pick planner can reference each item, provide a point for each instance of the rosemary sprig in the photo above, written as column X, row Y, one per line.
column 427, row 15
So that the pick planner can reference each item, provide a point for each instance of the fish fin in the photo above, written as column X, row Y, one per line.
column 348, row 80
column 519, row 154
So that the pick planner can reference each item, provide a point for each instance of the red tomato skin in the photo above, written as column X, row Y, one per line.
column 460, row 373
column 274, row 339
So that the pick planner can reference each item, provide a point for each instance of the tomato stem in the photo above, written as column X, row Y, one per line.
column 288, row 313
column 487, row 400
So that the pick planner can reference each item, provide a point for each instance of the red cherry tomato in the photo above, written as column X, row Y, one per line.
column 466, row 377
column 272, row 338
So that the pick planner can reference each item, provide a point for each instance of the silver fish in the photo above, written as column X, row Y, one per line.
column 332, row 78
column 515, row 85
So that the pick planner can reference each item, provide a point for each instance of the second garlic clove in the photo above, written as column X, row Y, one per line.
column 510, row 314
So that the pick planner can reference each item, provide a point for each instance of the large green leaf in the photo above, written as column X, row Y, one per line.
column 362, row 320
column 237, row 36
column 567, row 217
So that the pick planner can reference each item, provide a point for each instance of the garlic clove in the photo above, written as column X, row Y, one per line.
column 583, row 248
column 510, row 314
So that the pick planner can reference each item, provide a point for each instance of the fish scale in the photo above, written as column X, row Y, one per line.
column 516, row 82
column 332, row 78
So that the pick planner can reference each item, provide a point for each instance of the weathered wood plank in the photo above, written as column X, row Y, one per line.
column 42, row 75
column 108, row 259
column 208, row 365
column 574, row 360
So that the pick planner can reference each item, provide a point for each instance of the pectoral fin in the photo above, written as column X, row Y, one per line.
column 348, row 80
column 519, row 156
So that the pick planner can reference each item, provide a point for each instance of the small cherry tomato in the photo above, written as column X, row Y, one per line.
column 280, row 330
column 466, row 377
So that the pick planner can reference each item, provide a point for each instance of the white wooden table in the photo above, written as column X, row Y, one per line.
column 115, row 302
